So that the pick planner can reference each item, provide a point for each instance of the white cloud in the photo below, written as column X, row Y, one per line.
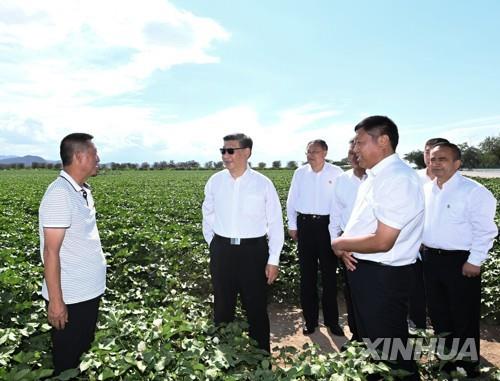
column 60, row 56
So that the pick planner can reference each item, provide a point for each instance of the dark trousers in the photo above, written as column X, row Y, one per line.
column 315, row 248
column 240, row 269
column 454, row 300
column 417, row 305
column 380, row 302
column 70, row 343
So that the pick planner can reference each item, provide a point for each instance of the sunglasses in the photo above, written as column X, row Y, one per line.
column 230, row 151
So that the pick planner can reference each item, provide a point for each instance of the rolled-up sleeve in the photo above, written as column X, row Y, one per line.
column 274, row 219
column 481, row 214
column 208, row 212
column 334, row 227
column 291, row 210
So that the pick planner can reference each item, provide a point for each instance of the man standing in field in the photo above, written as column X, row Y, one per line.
column 458, row 233
column 343, row 199
column 382, row 237
column 243, row 225
column 74, row 264
column 417, row 311
column 308, row 208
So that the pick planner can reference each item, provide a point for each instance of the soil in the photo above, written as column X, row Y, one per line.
column 286, row 330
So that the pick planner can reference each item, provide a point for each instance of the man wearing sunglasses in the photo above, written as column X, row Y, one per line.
column 243, row 225
column 74, row 264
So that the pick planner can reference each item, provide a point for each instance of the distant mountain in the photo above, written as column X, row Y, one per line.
column 27, row 160
column 6, row 156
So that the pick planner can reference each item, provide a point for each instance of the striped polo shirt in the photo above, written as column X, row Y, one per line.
column 69, row 206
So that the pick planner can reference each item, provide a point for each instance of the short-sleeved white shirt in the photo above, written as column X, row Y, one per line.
column 83, row 266
column 393, row 195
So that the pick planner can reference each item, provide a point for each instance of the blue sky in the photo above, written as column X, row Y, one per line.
column 160, row 80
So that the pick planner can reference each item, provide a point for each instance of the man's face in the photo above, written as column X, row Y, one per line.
column 427, row 155
column 368, row 150
column 89, row 160
column 443, row 164
column 238, row 160
column 316, row 155
column 352, row 158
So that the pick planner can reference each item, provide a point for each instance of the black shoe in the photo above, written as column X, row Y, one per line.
column 308, row 330
column 336, row 330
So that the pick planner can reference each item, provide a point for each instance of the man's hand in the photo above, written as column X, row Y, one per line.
column 57, row 314
column 293, row 234
column 271, row 273
column 349, row 260
column 470, row 271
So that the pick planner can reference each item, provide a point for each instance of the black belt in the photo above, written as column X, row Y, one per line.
column 240, row 241
column 366, row 261
column 431, row 250
column 313, row 216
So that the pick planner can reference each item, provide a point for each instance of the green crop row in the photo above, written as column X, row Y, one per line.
column 155, row 321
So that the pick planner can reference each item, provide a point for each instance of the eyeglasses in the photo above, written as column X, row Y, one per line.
column 230, row 151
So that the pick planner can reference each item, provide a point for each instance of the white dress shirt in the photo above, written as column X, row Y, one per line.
column 246, row 207
column 311, row 192
column 391, row 194
column 424, row 178
column 343, row 199
column 460, row 216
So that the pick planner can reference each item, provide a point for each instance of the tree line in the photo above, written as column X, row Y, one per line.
column 485, row 155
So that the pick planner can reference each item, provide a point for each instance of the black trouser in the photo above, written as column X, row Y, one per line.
column 70, row 343
column 417, row 304
column 380, row 302
column 454, row 300
column 314, row 246
column 241, row 269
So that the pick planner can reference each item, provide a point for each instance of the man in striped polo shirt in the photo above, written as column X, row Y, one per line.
column 74, row 264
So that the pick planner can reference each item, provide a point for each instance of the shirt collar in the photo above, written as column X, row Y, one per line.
column 452, row 181
column 73, row 183
column 382, row 164
column 310, row 169
column 245, row 174
column 353, row 176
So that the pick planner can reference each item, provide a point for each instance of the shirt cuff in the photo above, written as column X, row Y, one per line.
column 274, row 259
column 477, row 259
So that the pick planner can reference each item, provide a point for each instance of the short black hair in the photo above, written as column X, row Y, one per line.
column 319, row 142
column 434, row 141
column 457, row 154
column 73, row 143
column 378, row 125
column 244, row 140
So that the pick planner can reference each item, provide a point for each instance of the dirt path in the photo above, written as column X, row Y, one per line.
column 286, row 330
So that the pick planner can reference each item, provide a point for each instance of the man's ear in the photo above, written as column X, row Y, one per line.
column 77, row 156
column 249, row 153
column 384, row 140
column 457, row 164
